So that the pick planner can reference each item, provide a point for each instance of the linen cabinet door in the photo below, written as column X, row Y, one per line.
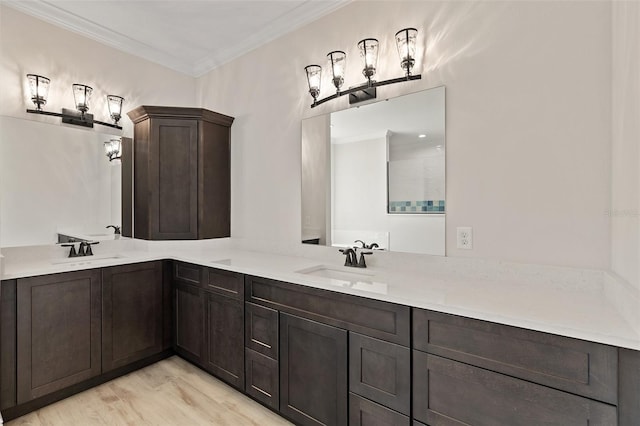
column 132, row 313
column 313, row 372
column 173, row 180
column 58, row 339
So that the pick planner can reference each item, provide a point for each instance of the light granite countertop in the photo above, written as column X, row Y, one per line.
column 591, row 305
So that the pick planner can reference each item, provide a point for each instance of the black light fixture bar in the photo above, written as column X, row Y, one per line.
column 74, row 117
column 365, row 88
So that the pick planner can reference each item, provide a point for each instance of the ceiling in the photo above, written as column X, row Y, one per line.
column 189, row 36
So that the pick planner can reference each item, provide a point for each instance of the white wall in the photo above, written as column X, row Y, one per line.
column 28, row 45
column 625, row 201
column 528, row 120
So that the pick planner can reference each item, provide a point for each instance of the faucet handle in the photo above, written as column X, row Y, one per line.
column 88, row 244
column 72, row 251
column 362, row 263
column 347, row 252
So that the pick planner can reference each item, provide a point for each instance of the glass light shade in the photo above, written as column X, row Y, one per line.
column 115, row 107
column 369, row 53
column 82, row 97
column 338, row 63
column 314, row 75
column 113, row 149
column 39, row 87
column 406, row 42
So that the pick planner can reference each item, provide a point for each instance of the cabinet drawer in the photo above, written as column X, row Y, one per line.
column 584, row 368
column 261, row 329
column 363, row 412
column 187, row 273
column 383, row 320
column 380, row 371
column 261, row 378
column 230, row 284
column 453, row 393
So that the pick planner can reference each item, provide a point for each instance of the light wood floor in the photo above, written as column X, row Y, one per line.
column 170, row 392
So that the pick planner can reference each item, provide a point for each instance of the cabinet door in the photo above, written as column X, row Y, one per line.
column 58, row 341
column 173, row 179
column 132, row 313
column 313, row 372
column 189, row 322
column 225, row 338
column 380, row 371
column 452, row 393
column 363, row 412
column 262, row 378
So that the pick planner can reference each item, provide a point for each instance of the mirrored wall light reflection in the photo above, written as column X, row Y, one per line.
column 113, row 149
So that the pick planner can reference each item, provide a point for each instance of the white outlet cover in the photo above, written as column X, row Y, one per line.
column 464, row 237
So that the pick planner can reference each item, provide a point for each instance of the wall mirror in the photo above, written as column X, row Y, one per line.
column 54, row 178
column 376, row 173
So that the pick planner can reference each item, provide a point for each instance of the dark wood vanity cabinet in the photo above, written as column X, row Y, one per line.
column 133, row 311
column 468, row 371
column 181, row 173
column 313, row 372
column 58, row 332
column 224, row 328
column 323, row 344
column 209, row 320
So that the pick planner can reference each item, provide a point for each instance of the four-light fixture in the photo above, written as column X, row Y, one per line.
column 39, row 87
column 406, row 43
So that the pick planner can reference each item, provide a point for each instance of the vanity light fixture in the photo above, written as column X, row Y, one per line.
column 39, row 87
column 113, row 149
column 368, row 47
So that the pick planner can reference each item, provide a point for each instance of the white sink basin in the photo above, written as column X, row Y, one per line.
column 85, row 260
column 337, row 273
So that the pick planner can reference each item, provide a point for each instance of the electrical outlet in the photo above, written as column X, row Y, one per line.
column 465, row 237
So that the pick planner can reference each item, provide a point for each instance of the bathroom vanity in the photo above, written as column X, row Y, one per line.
column 316, row 349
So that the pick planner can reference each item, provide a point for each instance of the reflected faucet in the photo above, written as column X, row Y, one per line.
column 365, row 246
column 116, row 229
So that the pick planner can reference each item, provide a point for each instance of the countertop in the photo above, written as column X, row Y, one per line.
column 584, row 304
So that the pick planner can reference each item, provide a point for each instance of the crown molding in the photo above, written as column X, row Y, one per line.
column 286, row 23
column 299, row 16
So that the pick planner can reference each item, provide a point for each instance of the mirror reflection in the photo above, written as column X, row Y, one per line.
column 55, row 179
column 376, row 173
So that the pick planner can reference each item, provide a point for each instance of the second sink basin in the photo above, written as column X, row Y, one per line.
column 337, row 273
column 85, row 259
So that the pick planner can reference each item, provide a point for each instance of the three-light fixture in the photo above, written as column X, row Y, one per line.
column 113, row 149
column 39, row 87
column 406, row 44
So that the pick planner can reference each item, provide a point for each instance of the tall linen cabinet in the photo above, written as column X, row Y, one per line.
column 181, row 173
